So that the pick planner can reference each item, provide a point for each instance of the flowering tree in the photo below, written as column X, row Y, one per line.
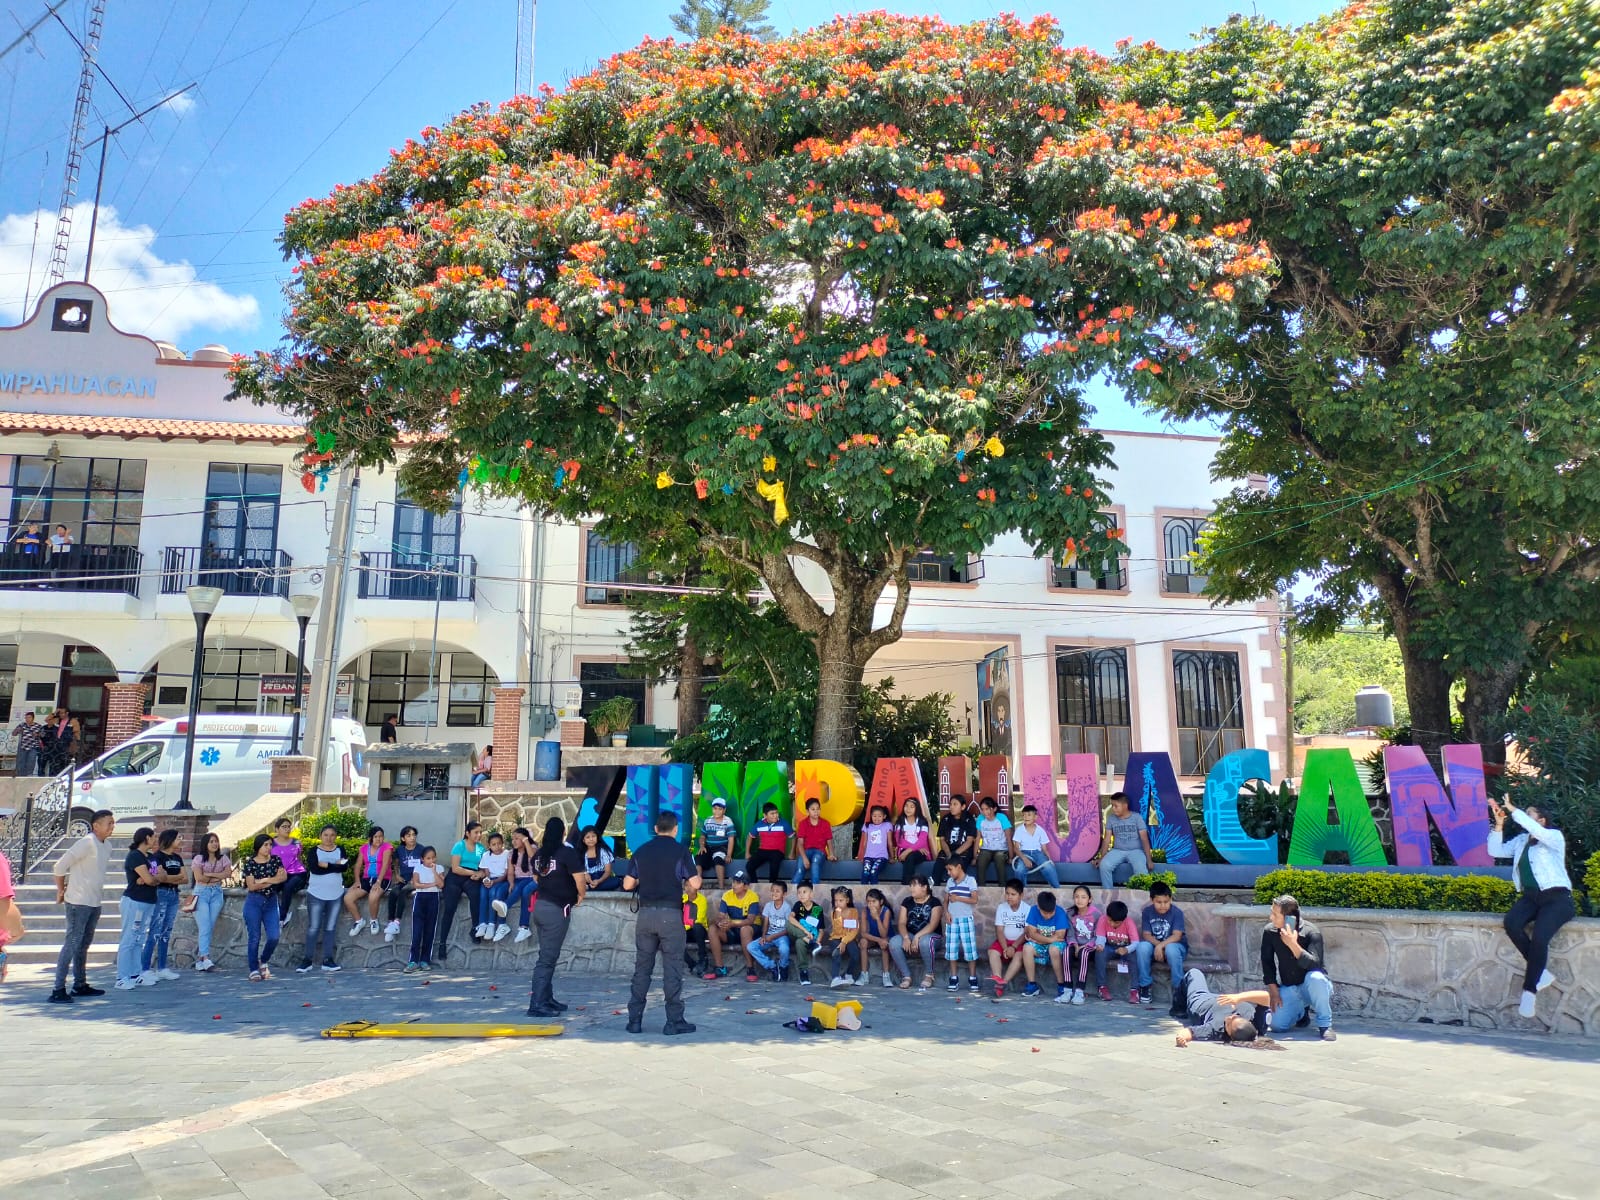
column 820, row 303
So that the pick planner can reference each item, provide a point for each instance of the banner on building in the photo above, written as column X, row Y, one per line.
column 994, row 701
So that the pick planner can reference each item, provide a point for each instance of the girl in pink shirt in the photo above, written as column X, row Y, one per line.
column 374, row 873
column 911, row 839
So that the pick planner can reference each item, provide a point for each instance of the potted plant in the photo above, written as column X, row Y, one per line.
column 612, row 719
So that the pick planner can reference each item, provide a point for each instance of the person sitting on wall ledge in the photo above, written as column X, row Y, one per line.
column 1298, row 986
column 1544, row 891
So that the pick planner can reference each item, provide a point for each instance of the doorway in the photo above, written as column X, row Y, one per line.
column 85, row 672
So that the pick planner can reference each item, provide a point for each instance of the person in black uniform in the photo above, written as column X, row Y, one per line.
column 562, row 886
column 656, row 874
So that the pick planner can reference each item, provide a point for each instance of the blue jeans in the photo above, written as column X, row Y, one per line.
column 207, row 907
column 1316, row 993
column 813, row 859
column 322, row 929
column 486, row 898
column 1029, row 861
column 774, row 954
column 1133, row 859
column 136, row 918
column 1144, row 954
column 517, row 899
column 261, row 928
column 160, row 934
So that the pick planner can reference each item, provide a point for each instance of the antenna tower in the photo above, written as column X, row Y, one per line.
column 80, row 118
column 527, row 10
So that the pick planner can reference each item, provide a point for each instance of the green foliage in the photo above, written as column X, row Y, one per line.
column 613, row 716
column 1561, row 745
column 1420, row 387
column 832, row 297
column 1377, row 889
column 348, row 822
column 1141, row 883
column 703, row 18
column 891, row 726
column 350, row 845
column 1328, row 673
column 1591, row 880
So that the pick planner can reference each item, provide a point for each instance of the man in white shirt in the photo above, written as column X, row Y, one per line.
column 80, row 876
column 1544, row 892
column 1030, row 849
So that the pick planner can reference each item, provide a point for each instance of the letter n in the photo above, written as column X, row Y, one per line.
column 1461, row 815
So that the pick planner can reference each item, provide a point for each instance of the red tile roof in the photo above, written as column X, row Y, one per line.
column 164, row 429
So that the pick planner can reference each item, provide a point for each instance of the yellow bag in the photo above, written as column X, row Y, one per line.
column 828, row 1014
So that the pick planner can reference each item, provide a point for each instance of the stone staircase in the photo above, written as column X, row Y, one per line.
column 46, row 921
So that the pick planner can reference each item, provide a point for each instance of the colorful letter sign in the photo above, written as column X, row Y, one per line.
column 1222, row 809
column 896, row 780
column 1039, row 790
column 1356, row 833
column 1462, row 814
column 1082, row 842
column 837, row 786
column 1152, row 788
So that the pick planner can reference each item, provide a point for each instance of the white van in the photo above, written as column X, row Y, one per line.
column 232, row 765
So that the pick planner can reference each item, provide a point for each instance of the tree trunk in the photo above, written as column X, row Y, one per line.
column 1428, row 695
column 691, row 683
column 1484, row 706
column 839, row 675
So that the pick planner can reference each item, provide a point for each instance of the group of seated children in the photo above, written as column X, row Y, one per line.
column 781, row 937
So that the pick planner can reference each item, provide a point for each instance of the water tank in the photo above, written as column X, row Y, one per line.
column 547, row 761
column 212, row 352
column 1374, row 707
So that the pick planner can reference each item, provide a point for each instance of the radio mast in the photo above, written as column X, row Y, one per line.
column 80, row 119
column 527, row 10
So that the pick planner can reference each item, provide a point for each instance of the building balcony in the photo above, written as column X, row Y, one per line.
column 236, row 572
column 443, row 578
column 103, row 569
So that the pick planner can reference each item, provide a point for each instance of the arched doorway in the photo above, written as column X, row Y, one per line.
column 447, row 695
column 40, row 672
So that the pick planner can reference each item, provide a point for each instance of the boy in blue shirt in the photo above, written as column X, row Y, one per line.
column 1047, row 935
column 1161, row 939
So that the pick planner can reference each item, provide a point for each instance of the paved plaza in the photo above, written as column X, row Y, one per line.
column 213, row 1086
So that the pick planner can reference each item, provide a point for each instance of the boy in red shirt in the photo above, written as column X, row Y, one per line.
column 813, row 844
column 1118, row 936
column 767, row 843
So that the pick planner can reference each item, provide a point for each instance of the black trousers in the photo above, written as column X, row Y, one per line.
column 699, row 937
column 909, row 864
column 770, row 858
column 456, row 888
column 658, row 930
column 1547, row 911
column 292, row 887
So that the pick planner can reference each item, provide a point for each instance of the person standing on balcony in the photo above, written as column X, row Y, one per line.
column 1544, row 892
column 30, row 745
column 80, row 876
column 60, row 540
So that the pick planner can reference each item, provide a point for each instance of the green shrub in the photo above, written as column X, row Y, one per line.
column 308, row 846
column 1379, row 889
column 1141, row 883
column 1591, row 878
column 349, row 822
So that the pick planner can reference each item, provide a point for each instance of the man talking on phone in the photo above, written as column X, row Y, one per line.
column 1298, row 987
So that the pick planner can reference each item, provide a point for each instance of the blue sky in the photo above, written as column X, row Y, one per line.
column 295, row 96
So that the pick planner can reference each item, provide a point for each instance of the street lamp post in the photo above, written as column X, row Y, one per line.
column 304, row 605
column 203, row 601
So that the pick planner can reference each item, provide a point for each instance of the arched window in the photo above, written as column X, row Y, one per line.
column 1180, row 539
column 1210, row 707
column 1093, row 707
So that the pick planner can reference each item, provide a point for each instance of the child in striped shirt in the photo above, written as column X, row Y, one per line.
column 961, row 936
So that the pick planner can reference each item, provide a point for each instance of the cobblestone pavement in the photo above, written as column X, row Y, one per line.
column 212, row 1086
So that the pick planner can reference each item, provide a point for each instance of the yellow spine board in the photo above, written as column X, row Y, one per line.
column 378, row 1029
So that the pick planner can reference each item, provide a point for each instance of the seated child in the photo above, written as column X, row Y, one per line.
column 1118, row 934
column 1083, row 918
column 877, row 927
column 804, row 929
column 1162, row 939
column 843, row 930
column 994, row 843
column 875, row 842
column 736, row 924
column 1047, row 931
column 1010, row 938
column 716, row 842
column 696, row 931
column 771, row 949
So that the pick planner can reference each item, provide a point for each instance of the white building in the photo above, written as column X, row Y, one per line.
column 162, row 482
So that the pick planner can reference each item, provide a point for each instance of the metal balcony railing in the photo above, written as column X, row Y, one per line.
column 389, row 576
column 236, row 572
column 106, row 569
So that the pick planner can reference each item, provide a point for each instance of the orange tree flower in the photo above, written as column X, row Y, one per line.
column 864, row 234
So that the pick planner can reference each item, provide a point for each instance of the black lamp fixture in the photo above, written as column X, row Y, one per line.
column 203, row 602
column 304, row 604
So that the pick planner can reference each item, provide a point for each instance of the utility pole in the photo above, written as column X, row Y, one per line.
column 111, row 131
column 1286, row 616
column 330, row 625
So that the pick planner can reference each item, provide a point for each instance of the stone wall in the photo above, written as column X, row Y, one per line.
column 506, row 810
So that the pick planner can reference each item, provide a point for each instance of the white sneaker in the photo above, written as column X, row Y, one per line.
column 1529, row 1001
column 481, row 931
column 861, row 980
column 127, row 985
column 888, row 980
column 523, row 934
column 838, row 981
column 499, row 907
column 1077, row 995
column 150, row 979
column 373, row 926
column 1064, row 998
column 355, row 930
column 1545, row 981
column 204, row 964
column 391, row 931
column 502, row 932
column 168, row 973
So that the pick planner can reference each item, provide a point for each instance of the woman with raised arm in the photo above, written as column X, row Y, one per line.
column 1538, row 857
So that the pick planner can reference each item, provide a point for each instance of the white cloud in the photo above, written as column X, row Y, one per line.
column 180, row 105
column 148, row 294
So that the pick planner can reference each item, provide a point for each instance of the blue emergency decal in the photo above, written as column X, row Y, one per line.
column 210, row 756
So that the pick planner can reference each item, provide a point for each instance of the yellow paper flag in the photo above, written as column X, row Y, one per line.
column 774, row 493
column 769, row 463
column 995, row 447
column 663, row 480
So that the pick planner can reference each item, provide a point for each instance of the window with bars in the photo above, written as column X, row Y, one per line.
column 607, row 563
column 1210, row 704
column 1092, row 572
column 928, row 567
column 241, row 515
column 399, row 682
column 1094, row 711
column 230, row 680
column 1180, row 540
column 99, row 500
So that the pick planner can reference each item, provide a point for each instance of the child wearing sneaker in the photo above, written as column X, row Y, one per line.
column 373, row 875
column 1047, row 930
column 524, row 882
column 876, row 841
column 961, row 938
column 1010, row 938
column 1083, row 945
column 805, row 930
column 427, row 881
column 771, row 949
column 844, row 928
column 1118, row 935
column 407, row 854
column 696, row 929
column 496, row 866
column 736, row 924
column 877, row 927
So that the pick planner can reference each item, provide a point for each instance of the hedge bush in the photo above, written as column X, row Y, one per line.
column 352, row 826
column 1377, row 889
column 1591, row 878
column 1141, row 883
